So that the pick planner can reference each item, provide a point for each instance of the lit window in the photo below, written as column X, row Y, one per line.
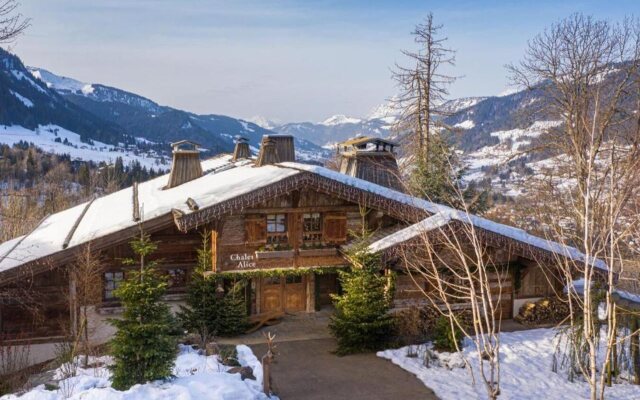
column 111, row 282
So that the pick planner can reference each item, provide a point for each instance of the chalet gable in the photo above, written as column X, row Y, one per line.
column 225, row 188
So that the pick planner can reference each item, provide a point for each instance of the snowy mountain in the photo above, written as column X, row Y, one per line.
column 28, row 102
column 378, row 123
column 162, row 124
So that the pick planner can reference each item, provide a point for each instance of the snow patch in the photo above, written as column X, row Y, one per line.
column 340, row 119
column 468, row 124
column 525, row 371
column 51, row 139
column 197, row 377
column 27, row 103
column 60, row 83
column 19, row 75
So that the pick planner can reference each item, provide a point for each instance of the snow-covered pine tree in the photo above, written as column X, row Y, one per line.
column 145, row 345
column 361, row 321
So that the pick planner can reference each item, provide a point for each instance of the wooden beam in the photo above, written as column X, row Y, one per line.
column 275, row 210
column 67, row 240
column 191, row 203
column 135, row 214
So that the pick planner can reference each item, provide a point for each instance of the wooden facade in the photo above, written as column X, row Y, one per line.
column 284, row 236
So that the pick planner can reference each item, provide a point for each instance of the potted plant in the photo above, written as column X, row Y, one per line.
column 317, row 249
column 274, row 251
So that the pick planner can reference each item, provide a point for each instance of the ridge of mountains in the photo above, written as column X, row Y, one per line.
column 89, row 120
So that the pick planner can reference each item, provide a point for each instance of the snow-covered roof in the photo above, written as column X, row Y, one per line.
column 428, row 224
column 444, row 216
column 112, row 213
column 223, row 180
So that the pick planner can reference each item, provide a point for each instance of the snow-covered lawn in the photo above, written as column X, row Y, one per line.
column 197, row 378
column 525, row 362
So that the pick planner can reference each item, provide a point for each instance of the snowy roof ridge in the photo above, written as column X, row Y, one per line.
column 428, row 224
column 224, row 180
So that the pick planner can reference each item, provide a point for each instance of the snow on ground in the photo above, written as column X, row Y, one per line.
column 467, row 124
column 525, row 363
column 197, row 377
column 27, row 103
column 510, row 147
column 45, row 137
column 61, row 83
column 340, row 119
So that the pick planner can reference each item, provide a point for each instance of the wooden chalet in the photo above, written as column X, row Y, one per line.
column 278, row 223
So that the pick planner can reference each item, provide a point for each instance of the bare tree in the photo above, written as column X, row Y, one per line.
column 424, row 85
column 588, row 73
column 464, row 282
column 12, row 23
column 86, row 291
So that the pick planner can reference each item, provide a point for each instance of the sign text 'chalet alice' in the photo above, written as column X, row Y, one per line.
column 244, row 260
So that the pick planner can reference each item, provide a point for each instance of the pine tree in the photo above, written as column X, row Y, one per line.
column 437, row 177
column 361, row 321
column 207, row 313
column 202, row 312
column 233, row 315
column 145, row 345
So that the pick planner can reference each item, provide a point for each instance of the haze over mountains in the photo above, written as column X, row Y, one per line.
column 98, row 122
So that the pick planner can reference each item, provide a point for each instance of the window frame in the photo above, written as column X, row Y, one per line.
column 312, row 235
column 277, row 228
column 116, row 284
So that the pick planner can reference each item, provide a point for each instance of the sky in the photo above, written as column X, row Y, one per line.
column 286, row 60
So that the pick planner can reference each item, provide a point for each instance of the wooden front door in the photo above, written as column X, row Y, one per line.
column 502, row 287
column 286, row 293
column 327, row 284
column 295, row 294
column 271, row 294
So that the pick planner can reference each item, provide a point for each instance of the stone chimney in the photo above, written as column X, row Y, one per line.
column 371, row 159
column 242, row 149
column 186, row 163
column 275, row 149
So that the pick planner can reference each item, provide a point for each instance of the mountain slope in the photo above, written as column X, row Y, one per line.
column 28, row 102
column 378, row 123
column 162, row 124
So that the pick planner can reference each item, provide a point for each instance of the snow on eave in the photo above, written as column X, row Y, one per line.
column 629, row 296
column 107, row 215
column 428, row 224
column 433, row 208
column 452, row 213
column 225, row 180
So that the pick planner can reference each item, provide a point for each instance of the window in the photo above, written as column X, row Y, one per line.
column 111, row 282
column 312, row 227
column 272, row 280
column 276, row 223
column 276, row 228
column 177, row 278
column 335, row 228
column 294, row 279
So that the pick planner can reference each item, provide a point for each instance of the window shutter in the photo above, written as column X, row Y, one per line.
column 334, row 229
column 256, row 229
